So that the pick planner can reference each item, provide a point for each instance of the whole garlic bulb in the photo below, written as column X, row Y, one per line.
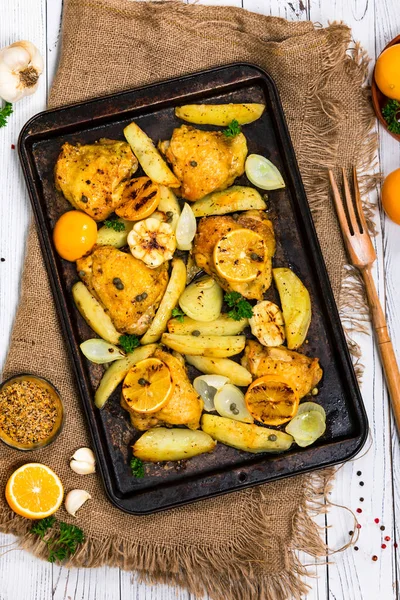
column 20, row 67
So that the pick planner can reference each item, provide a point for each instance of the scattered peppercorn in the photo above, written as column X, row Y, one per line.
column 376, row 520
column 358, row 526
column 12, row 146
column 361, row 499
column 359, row 473
column 383, row 546
column 359, row 510
column 361, row 483
column 356, row 548
column 382, row 528
column 3, row 259
column 374, row 558
column 387, row 538
column 351, row 532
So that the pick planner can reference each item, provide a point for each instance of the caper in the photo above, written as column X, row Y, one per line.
column 144, row 296
column 170, row 216
column 196, row 333
column 233, row 408
column 118, row 283
column 84, row 199
column 256, row 257
column 193, row 163
column 272, row 437
column 143, row 381
column 81, row 273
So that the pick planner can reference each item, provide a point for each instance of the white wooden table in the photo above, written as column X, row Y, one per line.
column 351, row 575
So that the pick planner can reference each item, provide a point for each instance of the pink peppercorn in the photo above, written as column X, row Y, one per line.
column 376, row 520
column 358, row 526
column 383, row 546
column 359, row 510
column 374, row 558
column 387, row 538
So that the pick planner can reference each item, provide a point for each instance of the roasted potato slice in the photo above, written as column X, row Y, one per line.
column 94, row 314
column 296, row 306
column 236, row 374
column 161, row 444
column 107, row 236
column 237, row 197
column 220, row 114
column 149, row 157
column 245, row 436
column 221, row 326
column 205, row 345
column 118, row 371
column 175, row 287
column 169, row 205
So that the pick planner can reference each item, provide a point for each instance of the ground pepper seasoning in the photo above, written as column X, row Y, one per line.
column 29, row 413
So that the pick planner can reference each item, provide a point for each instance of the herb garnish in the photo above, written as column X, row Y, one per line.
column 233, row 129
column 391, row 114
column 137, row 468
column 241, row 308
column 64, row 541
column 5, row 112
column 129, row 342
column 114, row 224
column 178, row 314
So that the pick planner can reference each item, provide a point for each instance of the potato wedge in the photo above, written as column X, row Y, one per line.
column 245, row 436
column 149, row 157
column 221, row 326
column 169, row 205
column 205, row 345
column 161, row 444
column 117, row 372
column 219, row 114
column 94, row 314
column 107, row 236
column 296, row 306
column 237, row 197
column 236, row 374
column 175, row 287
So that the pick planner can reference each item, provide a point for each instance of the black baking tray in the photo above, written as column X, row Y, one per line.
column 226, row 469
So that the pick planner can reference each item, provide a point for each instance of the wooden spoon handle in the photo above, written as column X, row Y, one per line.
column 384, row 342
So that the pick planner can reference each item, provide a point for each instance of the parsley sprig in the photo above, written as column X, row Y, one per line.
column 240, row 307
column 129, row 342
column 114, row 224
column 137, row 467
column 5, row 112
column 65, row 539
column 178, row 314
column 391, row 114
column 233, row 129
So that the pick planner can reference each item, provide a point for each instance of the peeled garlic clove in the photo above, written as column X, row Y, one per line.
column 82, row 467
column 84, row 454
column 101, row 352
column 185, row 229
column 74, row 500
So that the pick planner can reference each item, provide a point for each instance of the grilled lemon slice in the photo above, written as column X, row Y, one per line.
column 148, row 386
column 240, row 255
column 272, row 400
column 152, row 241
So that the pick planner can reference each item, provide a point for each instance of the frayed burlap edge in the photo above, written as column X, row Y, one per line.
column 194, row 568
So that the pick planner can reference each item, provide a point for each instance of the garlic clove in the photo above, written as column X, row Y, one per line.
column 74, row 500
column 82, row 467
column 85, row 454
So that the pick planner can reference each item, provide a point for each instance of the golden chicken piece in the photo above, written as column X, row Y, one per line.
column 302, row 372
column 205, row 161
column 183, row 408
column 210, row 231
column 92, row 177
column 129, row 291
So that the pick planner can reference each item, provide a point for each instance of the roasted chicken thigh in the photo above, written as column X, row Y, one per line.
column 92, row 177
column 128, row 290
column 205, row 161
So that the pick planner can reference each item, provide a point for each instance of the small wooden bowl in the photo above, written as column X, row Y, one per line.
column 378, row 99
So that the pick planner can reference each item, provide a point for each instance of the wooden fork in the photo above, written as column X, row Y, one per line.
column 362, row 255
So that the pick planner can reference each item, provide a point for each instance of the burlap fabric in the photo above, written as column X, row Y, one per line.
column 241, row 546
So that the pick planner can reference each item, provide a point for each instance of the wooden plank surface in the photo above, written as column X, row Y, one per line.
column 351, row 575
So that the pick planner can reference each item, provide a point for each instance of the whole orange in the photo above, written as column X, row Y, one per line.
column 74, row 235
column 387, row 72
column 391, row 196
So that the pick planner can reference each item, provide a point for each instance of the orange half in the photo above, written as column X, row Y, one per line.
column 34, row 491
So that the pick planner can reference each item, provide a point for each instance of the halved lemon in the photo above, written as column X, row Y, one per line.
column 272, row 400
column 148, row 386
column 240, row 255
column 34, row 491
